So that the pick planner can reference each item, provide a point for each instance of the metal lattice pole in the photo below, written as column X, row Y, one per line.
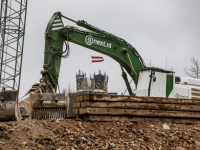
column 12, row 30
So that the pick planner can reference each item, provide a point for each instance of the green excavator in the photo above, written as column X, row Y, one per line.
column 95, row 39
column 42, row 101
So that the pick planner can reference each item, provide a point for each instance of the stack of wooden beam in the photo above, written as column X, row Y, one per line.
column 98, row 107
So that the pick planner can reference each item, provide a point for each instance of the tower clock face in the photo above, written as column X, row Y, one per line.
column 98, row 83
column 79, row 83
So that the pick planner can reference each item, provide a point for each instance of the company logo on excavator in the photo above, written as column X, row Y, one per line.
column 180, row 96
column 89, row 41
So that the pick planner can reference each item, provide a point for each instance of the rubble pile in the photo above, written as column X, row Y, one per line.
column 76, row 135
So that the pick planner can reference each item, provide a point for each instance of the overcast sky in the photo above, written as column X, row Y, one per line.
column 157, row 29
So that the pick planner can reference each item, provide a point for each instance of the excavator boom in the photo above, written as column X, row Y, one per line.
column 95, row 39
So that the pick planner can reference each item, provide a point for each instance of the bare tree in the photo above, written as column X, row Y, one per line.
column 194, row 70
column 67, row 91
column 70, row 97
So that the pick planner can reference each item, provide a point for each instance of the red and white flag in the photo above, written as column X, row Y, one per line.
column 97, row 59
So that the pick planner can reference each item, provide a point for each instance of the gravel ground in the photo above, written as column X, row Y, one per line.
column 70, row 134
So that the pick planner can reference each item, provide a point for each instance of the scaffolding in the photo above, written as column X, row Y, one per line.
column 12, row 30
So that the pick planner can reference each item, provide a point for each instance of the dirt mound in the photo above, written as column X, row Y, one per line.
column 71, row 134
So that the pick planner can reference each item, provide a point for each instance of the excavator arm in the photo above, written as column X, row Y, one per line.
column 95, row 39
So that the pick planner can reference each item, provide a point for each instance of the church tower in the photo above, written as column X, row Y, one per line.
column 96, row 85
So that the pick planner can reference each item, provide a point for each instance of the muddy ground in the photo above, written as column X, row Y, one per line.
column 70, row 134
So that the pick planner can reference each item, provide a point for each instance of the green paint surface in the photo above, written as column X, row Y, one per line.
column 169, row 85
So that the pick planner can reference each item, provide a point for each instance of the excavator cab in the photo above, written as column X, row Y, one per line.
column 9, row 105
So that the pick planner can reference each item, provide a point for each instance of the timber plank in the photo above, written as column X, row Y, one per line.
column 76, row 105
column 137, row 112
column 79, row 97
column 76, row 111
column 101, row 97
column 71, row 101
column 153, row 106
column 137, row 119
